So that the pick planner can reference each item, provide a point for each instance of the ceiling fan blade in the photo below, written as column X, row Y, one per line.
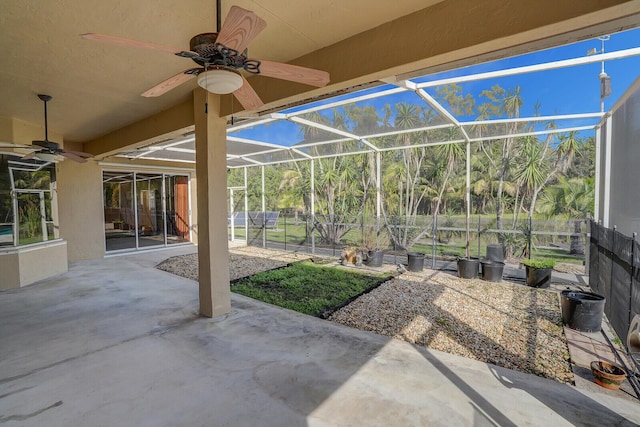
column 239, row 28
column 131, row 43
column 73, row 157
column 12, row 145
column 171, row 83
column 79, row 153
column 29, row 156
column 294, row 73
column 248, row 97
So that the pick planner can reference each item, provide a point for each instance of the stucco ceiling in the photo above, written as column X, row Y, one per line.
column 96, row 87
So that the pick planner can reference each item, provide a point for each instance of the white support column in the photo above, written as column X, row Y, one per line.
column 264, row 214
column 135, row 207
column 596, row 203
column 607, row 173
column 468, row 196
column 232, row 216
column 313, row 206
column 246, row 208
column 164, row 207
column 43, row 217
column 211, row 173
column 378, row 179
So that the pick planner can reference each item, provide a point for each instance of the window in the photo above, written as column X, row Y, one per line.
column 26, row 214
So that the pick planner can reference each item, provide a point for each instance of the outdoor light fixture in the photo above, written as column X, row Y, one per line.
column 220, row 81
column 48, row 157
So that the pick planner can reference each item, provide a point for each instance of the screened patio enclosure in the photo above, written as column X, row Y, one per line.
column 478, row 110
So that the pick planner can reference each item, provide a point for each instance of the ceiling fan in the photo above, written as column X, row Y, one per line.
column 51, row 151
column 221, row 56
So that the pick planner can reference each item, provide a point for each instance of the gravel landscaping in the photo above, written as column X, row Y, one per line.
column 244, row 261
column 504, row 324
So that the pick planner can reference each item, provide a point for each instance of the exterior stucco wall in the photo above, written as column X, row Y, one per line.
column 79, row 191
column 26, row 265
column 624, row 208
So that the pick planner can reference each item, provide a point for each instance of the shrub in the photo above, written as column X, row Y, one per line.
column 547, row 263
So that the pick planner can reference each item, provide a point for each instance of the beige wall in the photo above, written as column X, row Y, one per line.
column 19, row 132
column 79, row 188
column 26, row 265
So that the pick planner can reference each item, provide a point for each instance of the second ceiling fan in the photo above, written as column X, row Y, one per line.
column 221, row 56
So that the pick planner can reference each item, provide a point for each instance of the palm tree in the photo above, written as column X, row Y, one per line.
column 571, row 198
column 450, row 155
column 566, row 150
column 408, row 176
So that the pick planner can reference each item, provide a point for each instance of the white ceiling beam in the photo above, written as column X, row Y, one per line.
column 620, row 54
column 535, row 119
column 254, row 142
column 347, row 101
column 541, row 132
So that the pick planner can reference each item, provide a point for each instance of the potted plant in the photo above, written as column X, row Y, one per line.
column 374, row 241
column 468, row 268
column 607, row 374
column 539, row 272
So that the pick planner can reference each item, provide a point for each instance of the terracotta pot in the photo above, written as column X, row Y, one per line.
column 607, row 375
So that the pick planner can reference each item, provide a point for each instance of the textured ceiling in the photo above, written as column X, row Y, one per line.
column 96, row 87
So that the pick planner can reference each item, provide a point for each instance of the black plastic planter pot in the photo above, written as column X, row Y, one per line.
column 416, row 261
column 538, row 277
column 582, row 311
column 492, row 270
column 375, row 258
column 468, row 268
column 495, row 253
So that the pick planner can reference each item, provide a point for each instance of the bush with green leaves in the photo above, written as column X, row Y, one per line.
column 534, row 263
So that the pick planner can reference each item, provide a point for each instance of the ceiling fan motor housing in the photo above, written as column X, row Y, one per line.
column 204, row 45
column 213, row 55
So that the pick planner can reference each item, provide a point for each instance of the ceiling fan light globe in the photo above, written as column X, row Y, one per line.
column 48, row 157
column 220, row 81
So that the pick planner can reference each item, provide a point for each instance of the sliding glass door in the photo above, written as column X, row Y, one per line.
column 119, row 210
column 144, row 210
column 177, row 199
column 149, row 190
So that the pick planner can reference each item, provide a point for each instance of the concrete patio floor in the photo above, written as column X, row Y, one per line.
column 117, row 342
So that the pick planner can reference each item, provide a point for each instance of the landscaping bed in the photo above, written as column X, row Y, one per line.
column 243, row 262
column 308, row 288
column 505, row 324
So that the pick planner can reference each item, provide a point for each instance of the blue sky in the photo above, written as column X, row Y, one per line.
column 562, row 91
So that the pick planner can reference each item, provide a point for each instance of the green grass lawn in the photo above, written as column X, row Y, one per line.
column 307, row 288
